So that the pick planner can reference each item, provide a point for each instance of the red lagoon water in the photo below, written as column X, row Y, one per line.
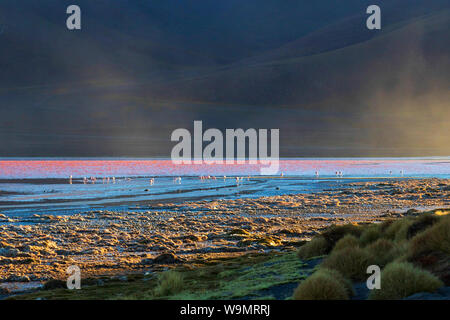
column 356, row 167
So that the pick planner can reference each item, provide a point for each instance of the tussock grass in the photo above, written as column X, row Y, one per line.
column 348, row 241
column 370, row 234
column 383, row 251
column 385, row 225
column 420, row 224
column 423, row 239
column 398, row 230
column 324, row 284
column 350, row 262
column 334, row 233
column 170, row 282
column 435, row 238
column 316, row 247
column 400, row 280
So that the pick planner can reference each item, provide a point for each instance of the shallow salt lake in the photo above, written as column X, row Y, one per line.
column 127, row 192
column 43, row 184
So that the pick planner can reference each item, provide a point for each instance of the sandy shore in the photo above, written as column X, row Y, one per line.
column 110, row 243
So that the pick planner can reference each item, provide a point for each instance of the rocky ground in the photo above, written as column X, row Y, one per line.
column 109, row 243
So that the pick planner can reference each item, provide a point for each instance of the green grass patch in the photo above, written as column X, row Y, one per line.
column 227, row 278
column 170, row 283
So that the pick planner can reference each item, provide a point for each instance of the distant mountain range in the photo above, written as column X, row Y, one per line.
column 140, row 69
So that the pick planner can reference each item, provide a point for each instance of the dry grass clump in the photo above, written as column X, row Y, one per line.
column 400, row 280
column 348, row 241
column 435, row 238
column 170, row 282
column 384, row 251
column 334, row 233
column 370, row 234
column 398, row 230
column 350, row 262
column 324, row 284
column 385, row 224
column 421, row 223
column 316, row 247
column 394, row 245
